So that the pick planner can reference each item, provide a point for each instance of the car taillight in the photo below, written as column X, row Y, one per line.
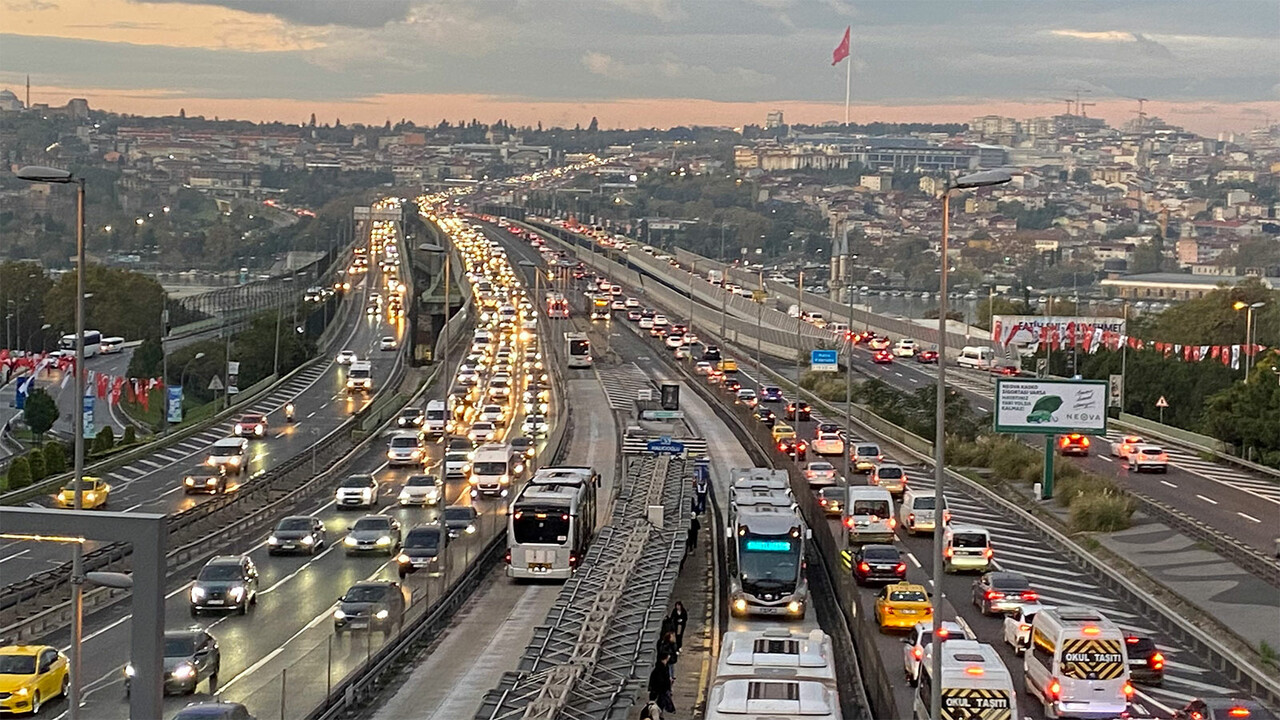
column 864, row 567
column 994, row 595
column 911, row 518
column 1156, row 661
column 988, row 553
column 822, row 501
column 848, row 522
column 917, row 652
column 1054, row 690
column 1065, row 442
column 900, row 569
column 1238, row 712
column 1030, row 595
column 506, row 557
column 1084, row 441
column 893, row 523
column 948, row 552
column 1023, row 627
column 1128, row 690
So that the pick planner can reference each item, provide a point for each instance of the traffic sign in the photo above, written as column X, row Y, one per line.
column 215, row 384
column 823, row 361
column 665, row 446
column 1162, row 403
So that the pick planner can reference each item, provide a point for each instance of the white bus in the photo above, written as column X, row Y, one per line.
column 1078, row 664
column 92, row 343
column 767, row 561
column 551, row 523
column 578, row 350
column 771, row 699
column 975, row 684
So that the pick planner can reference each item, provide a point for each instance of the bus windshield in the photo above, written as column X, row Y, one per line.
column 541, row 526
column 768, row 557
column 579, row 347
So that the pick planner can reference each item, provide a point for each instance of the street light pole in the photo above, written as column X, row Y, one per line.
column 981, row 179
column 446, row 381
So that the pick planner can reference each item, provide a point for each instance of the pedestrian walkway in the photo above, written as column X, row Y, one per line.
column 621, row 384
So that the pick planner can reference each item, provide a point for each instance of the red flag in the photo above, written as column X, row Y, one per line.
column 1225, row 355
column 842, row 50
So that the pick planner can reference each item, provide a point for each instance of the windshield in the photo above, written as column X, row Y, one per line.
column 178, row 647
column 821, row 467
column 925, row 503
column 880, row 554
column 868, row 450
column 371, row 524
column 489, row 468
column 423, row 538
column 891, row 473
column 546, row 526
column 404, row 442
column 360, row 373
column 579, row 347
column 364, row 594
column 459, row 514
column 294, row 524
column 435, row 414
column 420, row 481
column 355, row 481
column 907, row 596
column 877, row 508
column 768, row 557
column 969, row 540
column 221, row 571
column 17, row 664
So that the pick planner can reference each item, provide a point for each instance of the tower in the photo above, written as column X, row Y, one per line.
column 28, row 91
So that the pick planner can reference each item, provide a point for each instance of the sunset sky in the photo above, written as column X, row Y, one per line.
column 1211, row 68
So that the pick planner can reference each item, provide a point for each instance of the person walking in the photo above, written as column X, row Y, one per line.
column 700, row 496
column 679, row 619
column 660, row 684
column 694, row 527
column 668, row 646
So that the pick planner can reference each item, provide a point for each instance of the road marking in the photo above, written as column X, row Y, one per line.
column 1246, row 517
column 1104, row 457
column 914, row 561
column 1211, row 501
column 279, row 435
column 24, row 552
column 1166, row 482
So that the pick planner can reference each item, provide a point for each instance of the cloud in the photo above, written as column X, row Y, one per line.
column 664, row 10
column 315, row 13
column 598, row 63
column 28, row 5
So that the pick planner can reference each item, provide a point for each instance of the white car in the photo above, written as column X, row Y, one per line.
column 493, row 413
column 1017, row 626
column 703, row 368
column 387, row 343
column 746, row 396
column 421, row 490
column 646, row 323
column 660, row 321
column 405, row 449
column 828, row 444
column 468, row 376
column 1126, row 445
column 913, row 647
column 673, row 341
column 905, row 347
column 481, row 432
column 457, row 463
column 1149, row 457
column 617, row 305
column 820, row 473
column 631, row 303
column 690, row 339
column 346, row 357
column 535, row 425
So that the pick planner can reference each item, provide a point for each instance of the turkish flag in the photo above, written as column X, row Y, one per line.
column 842, row 50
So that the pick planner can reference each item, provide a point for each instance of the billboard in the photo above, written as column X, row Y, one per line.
column 1048, row 407
column 1031, row 329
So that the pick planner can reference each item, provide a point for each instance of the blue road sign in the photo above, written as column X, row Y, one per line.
column 21, row 387
column 173, row 408
column 824, row 360
column 665, row 446
column 89, row 430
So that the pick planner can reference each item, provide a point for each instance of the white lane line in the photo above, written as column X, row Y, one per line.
column 1104, row 457
column 1246, row 517
column 914, row 561
column 17, row 554
column 1167, row 483
column 304, row 566
column 1211, row 501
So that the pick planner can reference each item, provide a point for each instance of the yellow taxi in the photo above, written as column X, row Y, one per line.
column 782, row 431
column 728, row 366
column 93, row 490
column 901, row 605
column 30, row 676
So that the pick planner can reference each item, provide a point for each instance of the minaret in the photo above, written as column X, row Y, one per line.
column 28, row 91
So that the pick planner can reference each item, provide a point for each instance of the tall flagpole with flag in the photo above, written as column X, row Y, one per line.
column 842, row 53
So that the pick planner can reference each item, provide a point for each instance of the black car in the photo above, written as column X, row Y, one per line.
column 1146, row 662
column 411, row 417
column 297, row 533
column 878, row 563
column 731, row 385
column 459, row 444
column 1224, row 708
column 370, row 605
column 214, row 710
column 828, row 427
column 227, row 582
column 711, row 353
column 202, row 478
column 764, row 416
column 190, row 657
column 424, row 549
column 1002, row 592
column 801, row 409
column 524, row 445
column 794, row 448
column 460, row 519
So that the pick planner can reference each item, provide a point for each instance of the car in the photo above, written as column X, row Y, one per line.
column 421, row 490
column 1017, row 626
column 1146, row 662
column 229, row 453
column 703, row 367
column 457, row 463
column 890, row 477
column 799, row 411
column 370, row 605
column 1223, row 708
column 356, row 491
column 226, row 582
column 905, row 347
column 715, row 377
column 927, row 357
column 1001, row 591
column 879, row 342
column 346, row 357
column 461, row 519
column 204, row 479
column 782, row 431
column 771, row 394
column 1125, row 445
column 832, row 499
column 901, row 605
column 214, row 710
column 1149, row 457
column 882, row 357
column 373, row 533
column 828, row 443
column 633, row 315
column 94, row 493
column 411, row 417
column 673, row 340
column 617, row 304
column 30, row 676
column 1073, row 444
column 878, row 563
column 745, row 396
column 646, row 323
column 820, row 473
column 731, row 384
column 190, row 657
column 535, row 425
column 682, row 353
column 794, row 447
column 297, row 533
column 866, row 456
column 524, row 445
column 495, row 414
column 250, row 425
column 711, row 354
column 631, row 303
column 405, row 448
column 481, row 432
column 921, row 637
column 424, row 549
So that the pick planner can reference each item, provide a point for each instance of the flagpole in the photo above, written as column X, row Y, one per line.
column 848, row 82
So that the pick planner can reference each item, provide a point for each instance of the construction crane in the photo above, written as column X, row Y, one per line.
column 1084, row 112
column 1068, row 101
column 1142, row 114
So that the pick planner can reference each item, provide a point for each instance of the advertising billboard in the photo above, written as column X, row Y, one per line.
column 1048, row 407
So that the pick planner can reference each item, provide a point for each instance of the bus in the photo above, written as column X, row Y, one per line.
column 578, row 349
column 767, row 558
column 557, row 306
column 92, row 343
column 551, row 523
column 975, row 683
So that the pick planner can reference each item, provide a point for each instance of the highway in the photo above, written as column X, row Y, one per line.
column 1057, row 580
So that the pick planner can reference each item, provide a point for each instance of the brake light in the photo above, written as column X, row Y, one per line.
column 948, row 552
column 864, row 567
column 994, row 595
column 573, row 561
column 1030, row 595
column 900, row 569
column 848, row 522
column 1054, row 690
column 1023, row 627
column 988, row 553
column 506, row 557
column 917, row 652
column 974, row 670
column 893, row 523
column 1128, row 690
column 1084, row 441
column 1157, row 661
column 822, row 501
column 1065, row 442
column 1238, row 712
column 911, row 518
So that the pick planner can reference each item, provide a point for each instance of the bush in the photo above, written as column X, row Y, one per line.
column 36, row 461
column 130, row 436
column 55, row 457
column 105, row 440
column 1070, row 489
column 1104, row 512
column 19, row 473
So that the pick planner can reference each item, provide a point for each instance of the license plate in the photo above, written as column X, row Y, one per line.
column 286, row 546
column 771, row 610
column 908, row 612
column 214, row 602
column 359, row 623
column 538, row 567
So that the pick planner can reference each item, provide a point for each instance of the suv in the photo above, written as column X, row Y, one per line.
column 370, row 605
column 1146, row 662
column 190, row 656
column 229, row 454
column 424, row 548
column 405, row 448
column 225, row 582
column 214, row 710
column 357, row 491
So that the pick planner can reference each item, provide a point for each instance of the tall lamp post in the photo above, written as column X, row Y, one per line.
column 40, row 174
column 1248, row 332
column 446, row 381
column 975, row 180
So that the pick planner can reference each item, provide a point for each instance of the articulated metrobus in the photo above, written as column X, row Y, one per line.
column 92, row 343
column 767, row 558
column 578, row 350
column 551, row 523
column 557, row 306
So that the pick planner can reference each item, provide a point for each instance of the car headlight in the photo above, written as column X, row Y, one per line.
column 404, row 494
column 391, row 454
column 384, row 540
column 273, row 540
column 184, row 671
column 339, row 615
column 381, row 614
column 21, row 692
column 794, row 607
column 471, row 529
column 129, row 671
column 235, row 460
column 210, row 461
column 402, row 558
column 197, row 594
column 237, row 593
column 740, row 605
column 307, row 540
column 349, row 541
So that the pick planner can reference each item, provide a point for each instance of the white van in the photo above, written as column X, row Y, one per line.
column 435, row 418
column 966, row 548
column 494, row 468
column 1077, row 665
column 110, row 345
column 868, row 515
column 975, row 683
column 917, row 513
column 978, row 358
column 360, row 376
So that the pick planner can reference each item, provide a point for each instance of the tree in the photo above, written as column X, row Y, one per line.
column 147, row 360
column 19, row 473
column 1081, row 175
column 998, row 306
column 104, row 440
column 130, row 436
column 125, row 303
column 1149, row 256
column 38, row 471
column 1248, row 413
column 55, row 457
column 40, row 411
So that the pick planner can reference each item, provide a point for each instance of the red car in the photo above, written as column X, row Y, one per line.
column 927, row 356
column 1006, row 370
column 884, row 357
column 1073, row 444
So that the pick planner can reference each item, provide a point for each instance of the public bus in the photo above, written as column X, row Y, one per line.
column 92, row 343
column 767, row 555
column 551, row 523
column 578, row 349
column 557, row 306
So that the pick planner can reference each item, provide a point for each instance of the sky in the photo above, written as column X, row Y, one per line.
column 1211, row 67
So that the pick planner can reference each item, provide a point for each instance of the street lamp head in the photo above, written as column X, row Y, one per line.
column 1239, row 305
column 1257, row 305
column 40, row 173
column 981, row 179
column 120, row 581
column 198, row 356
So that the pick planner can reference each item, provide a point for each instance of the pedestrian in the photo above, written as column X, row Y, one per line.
column 651, row 711
column 660, row 684
column 669, row 646
column 694, row 527
column 680, row 619
column 700, row 498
